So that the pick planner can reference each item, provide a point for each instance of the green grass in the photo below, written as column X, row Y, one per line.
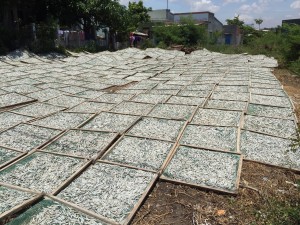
column 279, row 213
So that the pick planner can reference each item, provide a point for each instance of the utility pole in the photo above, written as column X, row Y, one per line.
column 167, row 4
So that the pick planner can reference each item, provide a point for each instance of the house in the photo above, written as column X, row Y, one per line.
column 206, row 18
column 161, row 15
column 291, row 21
column 232, row 35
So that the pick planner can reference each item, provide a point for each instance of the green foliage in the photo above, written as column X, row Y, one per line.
column 162, row 45
column 147, row 44
column 282, row 43
column 235, row 21
column 100, row 13
column 138, row 15
column 91, row 47
column 186, row 33
column 250, row 34
column 291, row 37
column 295, row 67
column 91, row 14
column 213, row 39
column 192, row 34
column 259, row 22
column 45, row 36
column 7, row 40
column 280, row 213
column 167, row 34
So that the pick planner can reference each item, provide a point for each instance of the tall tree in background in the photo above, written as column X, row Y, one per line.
column 91, row 14
column 98, row 13
column 116, row 20
column 258, row 22
column 236, row 21
column 138, row 14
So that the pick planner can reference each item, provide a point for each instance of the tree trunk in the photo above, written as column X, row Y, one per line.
column 89, row 31
column 112, row 40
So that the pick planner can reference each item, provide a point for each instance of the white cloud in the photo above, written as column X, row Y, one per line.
column 246, row 18
column 249, row 9
column 295, row 5
column 225, row 2
column 257, row 7
column 289, row 16
column 263, row 2
column 203, row 5
column 231, row 1
column 248, row 12
column 125, row 2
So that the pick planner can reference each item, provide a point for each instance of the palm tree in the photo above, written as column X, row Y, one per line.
column 259, row 22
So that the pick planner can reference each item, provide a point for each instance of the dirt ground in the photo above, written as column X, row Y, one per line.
column 267, row 195
column 291, row 84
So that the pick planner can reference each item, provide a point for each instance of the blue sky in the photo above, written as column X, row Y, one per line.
column 271, row 11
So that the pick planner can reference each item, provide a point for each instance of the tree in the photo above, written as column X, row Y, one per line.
column 236, row 21
column 186, row 33
column 191, row 33
column 91, row 14
column 249, row 34
column 117, row 21
column 138, row 14
column 259, row 22
column 291, row 46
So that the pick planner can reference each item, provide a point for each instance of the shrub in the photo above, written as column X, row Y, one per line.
column 282, row 43
column 8, row 39
column 45, row 38
column 91, row 46
column 295, row 67
column 146, row 43
column 167, row 34
column 281, row 213
column 3, row 48
column 162, row 45
column 185, row 33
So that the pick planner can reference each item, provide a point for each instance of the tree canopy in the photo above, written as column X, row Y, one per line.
column 138, row 14
column 236, row 21
column 186, row 33
column 259, row 22
column 88, row 13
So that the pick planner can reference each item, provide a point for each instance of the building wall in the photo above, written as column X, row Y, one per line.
column 196, row 16
column 207, row 19
column 162, row 15
column 233, row 33
column 291, row 21
column 214, row 25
